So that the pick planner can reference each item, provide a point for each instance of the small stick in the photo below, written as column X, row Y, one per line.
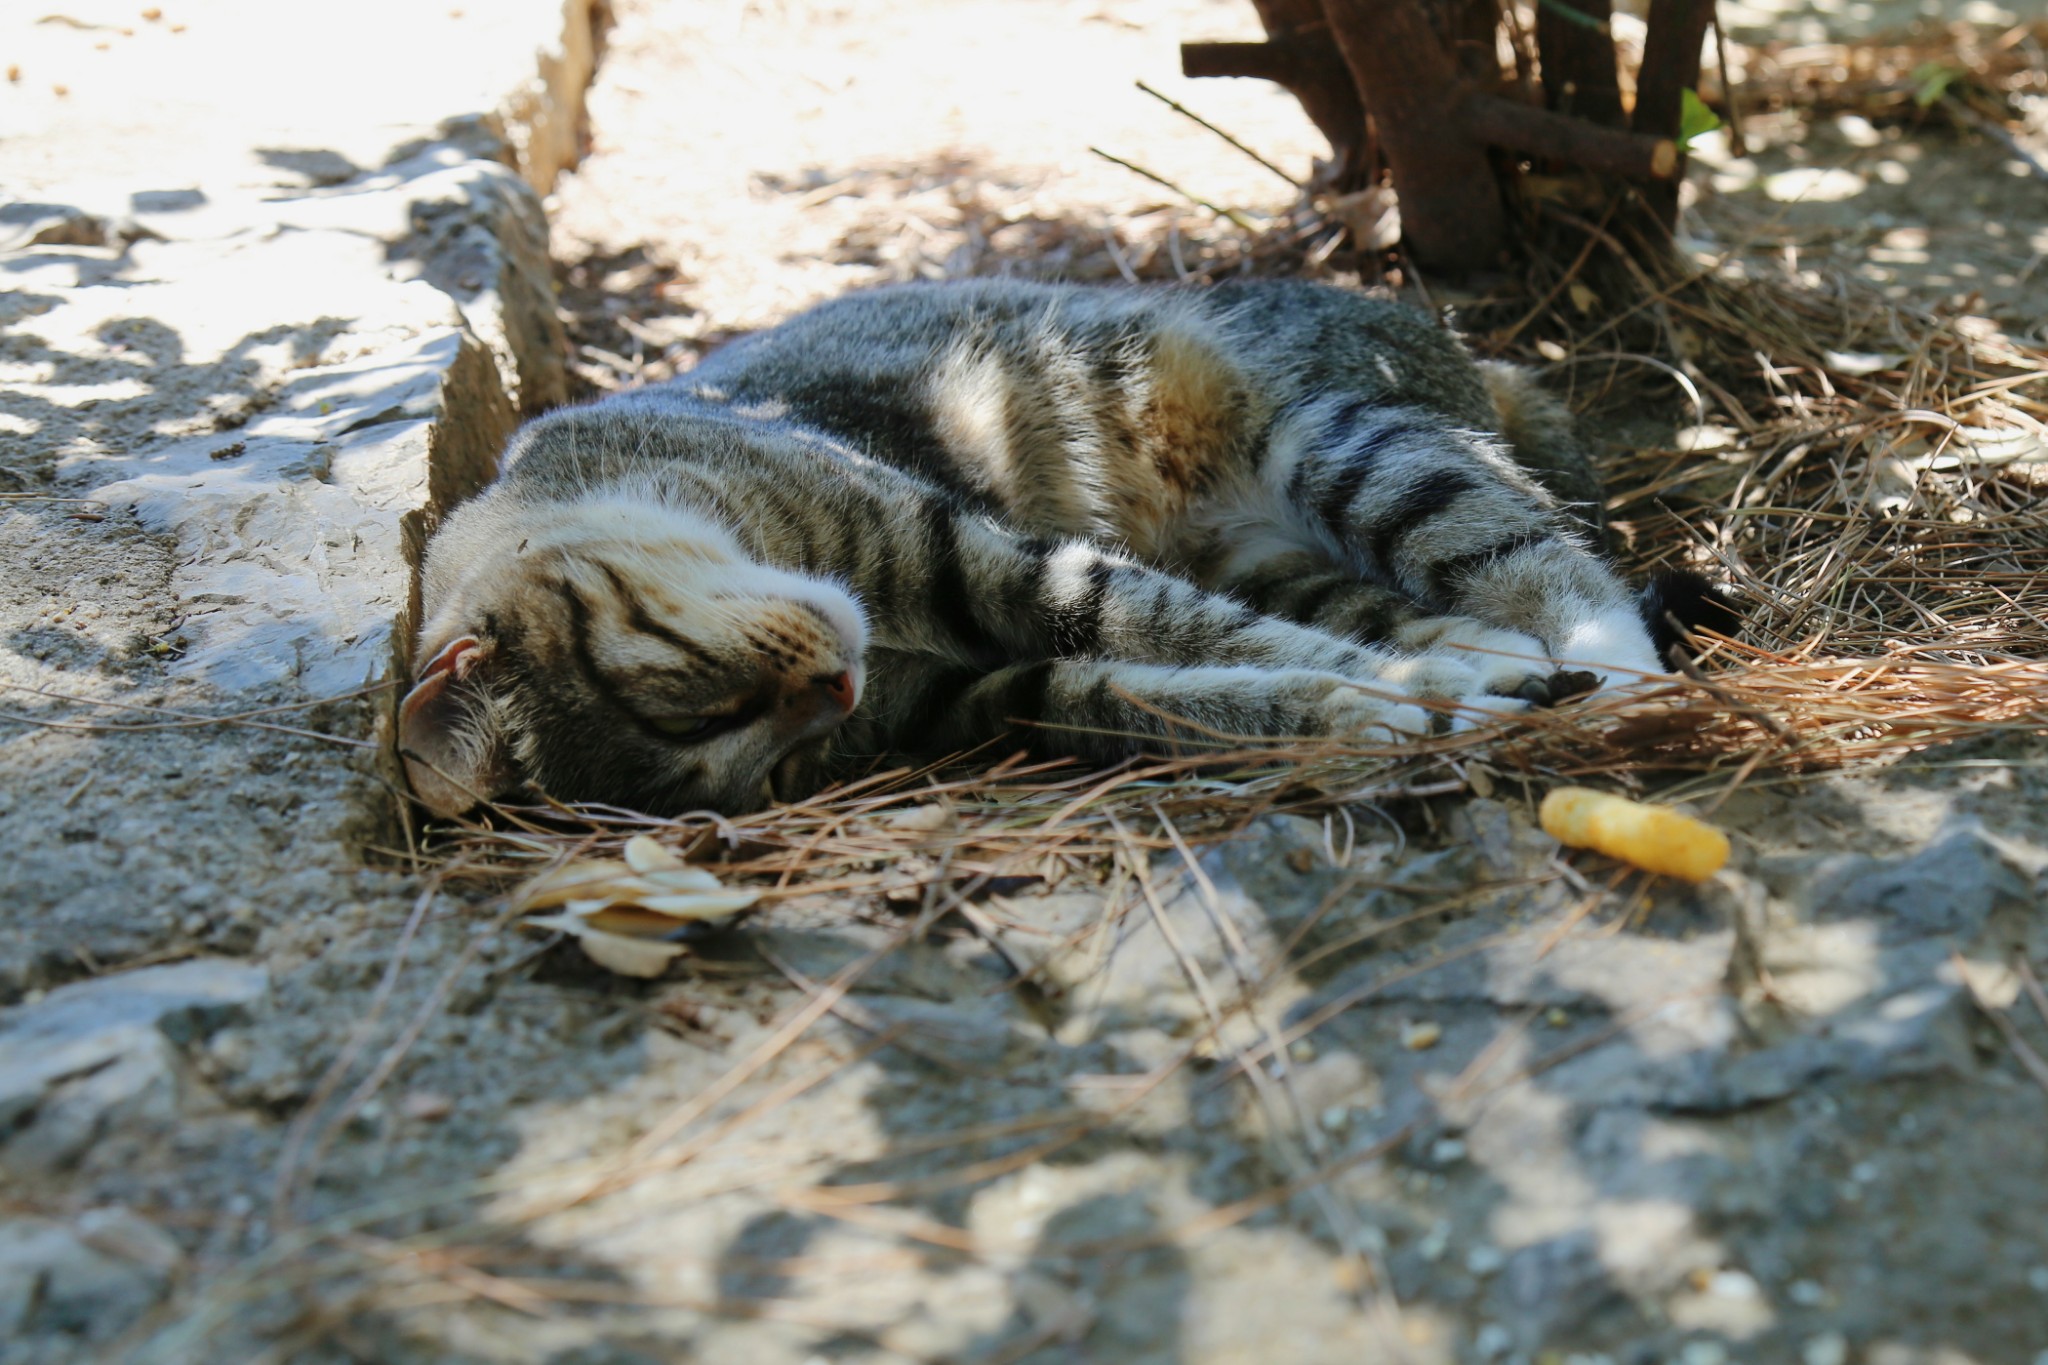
column 1188, row 195
column 1984, row 125
column 1762, row 717
column 1538, row 132
column 1737, row 144
column 1186, row 112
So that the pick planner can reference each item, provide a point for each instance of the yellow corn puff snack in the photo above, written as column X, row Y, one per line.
column 1649, row 837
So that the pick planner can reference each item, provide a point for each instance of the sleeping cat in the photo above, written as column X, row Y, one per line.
column 913, row 519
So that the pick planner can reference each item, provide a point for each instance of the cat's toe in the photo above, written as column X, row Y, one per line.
column 1354, row 714
column 1485, row 711
column 1552, row 689
column 1503, row 663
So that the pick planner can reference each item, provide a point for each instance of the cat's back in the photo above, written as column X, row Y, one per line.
column 1063, row 408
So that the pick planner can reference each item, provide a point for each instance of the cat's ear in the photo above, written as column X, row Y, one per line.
column 451, row 766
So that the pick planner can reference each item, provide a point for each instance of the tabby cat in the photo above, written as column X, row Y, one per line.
column 912, row 519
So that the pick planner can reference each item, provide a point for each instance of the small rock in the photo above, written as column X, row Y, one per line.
column 1435, row 1242
column 1703, row 1353
column 2037, row 1279
column 1734, row 1284
column 123, row 1233
column 425, row 1106
column 52, row 1280
column 1806, row 1293
column 1829, row 1348
column 98, row 1055
column 1485, row 1259
column 1422, row 1035
column 1492, row 1341
column 1446, row 1152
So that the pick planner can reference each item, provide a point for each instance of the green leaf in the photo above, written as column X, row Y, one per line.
column 1576, row 16
column 1694, row 118
column 1931, row 81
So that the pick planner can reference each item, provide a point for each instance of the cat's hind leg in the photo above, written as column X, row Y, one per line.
column 1273, row 571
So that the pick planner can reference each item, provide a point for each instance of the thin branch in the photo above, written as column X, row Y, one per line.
column 1190, row 114
column 1186, row 194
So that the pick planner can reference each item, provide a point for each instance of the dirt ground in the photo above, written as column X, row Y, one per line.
column 1404, row 1087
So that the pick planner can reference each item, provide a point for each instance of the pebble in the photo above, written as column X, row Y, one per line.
column 2037, row 1279
column 1734, row 1284
column 1422, row 1035
column 1806, row 1293
column 1446, row 1151
column 1435, row 1242
column 1703, row 1353
column 425, row 1106
column 1829, row 1348
column 1485, row 1259
column 1492, row 1341
column 1302, row 1050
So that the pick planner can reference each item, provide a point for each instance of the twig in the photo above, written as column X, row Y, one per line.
column 1964, row 113
column 1737, row 144
column 1188, row 113
column 1186, row 194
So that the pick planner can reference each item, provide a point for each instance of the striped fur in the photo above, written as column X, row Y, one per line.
column 911, row 519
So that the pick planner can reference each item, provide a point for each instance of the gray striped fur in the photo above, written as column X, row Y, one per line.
column 1267, row 509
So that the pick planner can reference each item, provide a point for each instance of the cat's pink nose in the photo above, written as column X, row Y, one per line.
column 839, row 687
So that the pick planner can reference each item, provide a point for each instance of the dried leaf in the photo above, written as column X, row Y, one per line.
column 700, row 904
column 643, row 957
column 646, row 854
column 630, row 914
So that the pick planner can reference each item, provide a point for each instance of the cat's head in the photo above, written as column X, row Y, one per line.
column 620, row 651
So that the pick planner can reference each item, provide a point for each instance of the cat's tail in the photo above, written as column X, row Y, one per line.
column 1677, row 602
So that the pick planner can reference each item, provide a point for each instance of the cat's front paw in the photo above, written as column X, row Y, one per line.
column 1372, row 712
column 1482, row 661
column 1615, row 647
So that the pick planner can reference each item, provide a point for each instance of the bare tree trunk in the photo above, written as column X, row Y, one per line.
column 1299, row 55
column 1451, row 211
column 1578, row 61
column 1671, row 66
column 1421, row 83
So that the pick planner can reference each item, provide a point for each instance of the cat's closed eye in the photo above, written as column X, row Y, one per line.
column 693, row 727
